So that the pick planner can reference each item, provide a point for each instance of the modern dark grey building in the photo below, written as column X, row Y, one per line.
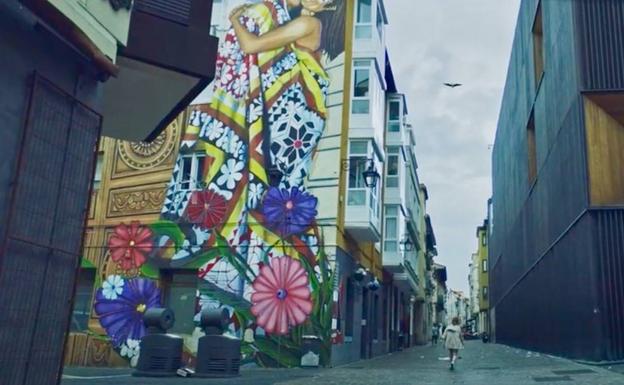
column 557, row 234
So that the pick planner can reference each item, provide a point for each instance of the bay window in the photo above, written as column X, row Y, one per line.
column 392, row 169
column 364, row 19
column 394, row 116
column 361, row 86
column 391, row 228
column 358, row 152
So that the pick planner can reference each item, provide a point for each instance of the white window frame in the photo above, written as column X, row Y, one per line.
column 364, row 28
column 359, row 160
column 395, row 122
column 395, row 240
column 393, row 153
column 361, row 65
column 484, row 266
column 192, row 183
column 370, row 194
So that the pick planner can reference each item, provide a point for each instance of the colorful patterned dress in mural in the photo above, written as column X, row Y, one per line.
column 252, row 239
column 258, row 239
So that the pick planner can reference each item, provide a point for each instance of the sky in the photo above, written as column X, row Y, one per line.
column 431, row 42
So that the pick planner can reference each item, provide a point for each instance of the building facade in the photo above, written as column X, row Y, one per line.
column 556, row 241
column 482, row 290
column 457, row 305
column 129, row 185
column 72, row 70
column 473, row 281
column 282, row 160
column 406, row 253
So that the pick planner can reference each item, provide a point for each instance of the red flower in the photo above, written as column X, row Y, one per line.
column 206, row 208
column 281, row 295
column 130, row 244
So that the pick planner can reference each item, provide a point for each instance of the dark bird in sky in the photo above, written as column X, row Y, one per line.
column 452, row 85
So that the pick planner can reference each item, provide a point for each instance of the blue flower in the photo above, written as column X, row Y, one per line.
column 288, row 212
column 122, row 317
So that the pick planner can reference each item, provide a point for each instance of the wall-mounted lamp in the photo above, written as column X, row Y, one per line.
column 371, row 176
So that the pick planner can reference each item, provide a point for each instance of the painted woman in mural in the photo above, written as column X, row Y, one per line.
column 237, row 208
column 260, row 133
column 266, row 118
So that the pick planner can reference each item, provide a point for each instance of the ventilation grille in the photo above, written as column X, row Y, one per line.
column 178, row 11
column 220, row 365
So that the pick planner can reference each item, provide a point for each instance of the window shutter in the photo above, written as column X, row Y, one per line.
column 178, row 11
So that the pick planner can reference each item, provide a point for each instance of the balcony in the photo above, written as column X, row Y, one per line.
column 362, row 215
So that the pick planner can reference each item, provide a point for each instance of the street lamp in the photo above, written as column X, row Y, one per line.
column 370, row 175
column 406, row 244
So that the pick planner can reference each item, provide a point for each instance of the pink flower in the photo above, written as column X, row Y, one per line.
column 129, row 245
column 281, row 296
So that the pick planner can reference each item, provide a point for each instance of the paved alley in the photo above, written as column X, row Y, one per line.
column 480, row 364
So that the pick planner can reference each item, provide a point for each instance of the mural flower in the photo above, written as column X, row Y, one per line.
column 231, row 173
column 206, row 208
column 129, row 245
column 122, row 318
column 289, row 212
column 112, row 287
column 131, row 349
column 281, row 296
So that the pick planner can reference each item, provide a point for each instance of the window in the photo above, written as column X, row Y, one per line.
column 82, row 300
column 358, row 151
column 531, row 151
column 538, row 45
column 97, row 178
column 484, row 265
column 364, row 19
column 192, row 171
column 485, row 292
column 394, row 116
column 180, row 288
column 392, row 169
column 391, row 228
column 361, row 86
column 484, row 237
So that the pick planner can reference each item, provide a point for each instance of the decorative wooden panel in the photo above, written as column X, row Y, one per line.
column 135, row 200
column 136, row 158
column 605, row 158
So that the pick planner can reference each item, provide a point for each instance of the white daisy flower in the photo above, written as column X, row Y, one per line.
column 230, row 173
column 112, row 287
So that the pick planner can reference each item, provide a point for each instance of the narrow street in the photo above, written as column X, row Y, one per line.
column 480, row 364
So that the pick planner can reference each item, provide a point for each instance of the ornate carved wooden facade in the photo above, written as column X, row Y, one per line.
column 132, row 187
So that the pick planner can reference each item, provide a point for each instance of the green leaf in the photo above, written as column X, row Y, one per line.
column 278, row 352
column 150, row 271
column 200, row 260
column 170, row 229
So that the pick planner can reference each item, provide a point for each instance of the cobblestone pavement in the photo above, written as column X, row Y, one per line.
column 481, row 364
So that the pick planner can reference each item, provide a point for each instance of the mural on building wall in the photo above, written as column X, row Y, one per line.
column 237, row 209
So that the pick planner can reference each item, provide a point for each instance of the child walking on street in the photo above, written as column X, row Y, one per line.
column 453, row 341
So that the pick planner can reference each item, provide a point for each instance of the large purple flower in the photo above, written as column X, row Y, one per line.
column 288, row 212
column 122, row 315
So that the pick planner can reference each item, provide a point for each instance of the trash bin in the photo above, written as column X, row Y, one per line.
column 310, row 351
